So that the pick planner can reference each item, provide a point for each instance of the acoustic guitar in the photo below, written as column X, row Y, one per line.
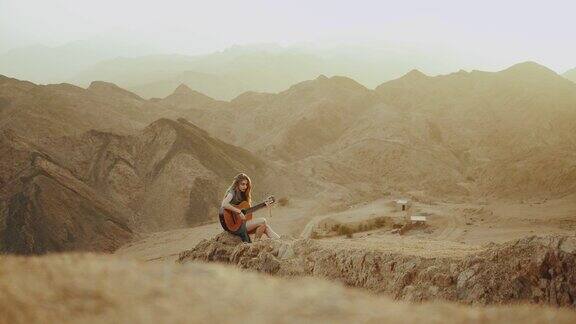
column 232, row 221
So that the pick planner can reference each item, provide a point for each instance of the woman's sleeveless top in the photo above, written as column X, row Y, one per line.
column 237, row 197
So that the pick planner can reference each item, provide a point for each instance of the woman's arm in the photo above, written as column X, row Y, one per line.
column 226, row 204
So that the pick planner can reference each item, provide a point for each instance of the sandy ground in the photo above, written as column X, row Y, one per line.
column 165, row 246
column 453, row 229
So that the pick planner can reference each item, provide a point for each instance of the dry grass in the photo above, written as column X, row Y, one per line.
column 348, row 229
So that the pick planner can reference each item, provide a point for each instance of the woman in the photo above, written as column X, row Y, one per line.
column 239, row 191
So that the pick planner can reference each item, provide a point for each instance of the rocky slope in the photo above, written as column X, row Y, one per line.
column 172, row 173
column 157, row 176
column 465, row 134
column 504, row 134
column 533, row 269
column 503, row 131
column 289, row 125
column 45, row 208
column 35, row 111
column 462, row 134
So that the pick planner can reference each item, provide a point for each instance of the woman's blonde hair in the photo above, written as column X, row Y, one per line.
column 239, row 177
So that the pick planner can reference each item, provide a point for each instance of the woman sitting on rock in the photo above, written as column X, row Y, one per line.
column 240, row 191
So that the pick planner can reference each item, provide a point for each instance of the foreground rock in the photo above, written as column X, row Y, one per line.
column 87, row 288
column 534, row 269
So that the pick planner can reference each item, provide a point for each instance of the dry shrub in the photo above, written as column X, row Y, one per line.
column 345, row 230
column 349, row 229
column 380, row 222
column 283, row 201
column 314, row 235
column 335, row 228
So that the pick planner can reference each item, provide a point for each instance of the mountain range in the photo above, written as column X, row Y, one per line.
column 221, row 74
column 90, row 168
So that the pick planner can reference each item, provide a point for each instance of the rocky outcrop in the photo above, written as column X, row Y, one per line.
column 534, row 269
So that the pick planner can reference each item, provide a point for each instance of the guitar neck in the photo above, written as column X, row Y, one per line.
column 254, row 208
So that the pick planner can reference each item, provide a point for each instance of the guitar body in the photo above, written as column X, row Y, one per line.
column 231, row 219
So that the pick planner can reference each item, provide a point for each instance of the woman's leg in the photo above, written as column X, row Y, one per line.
column 254, row 223
column 243, row 233
column 259, row 231
column 256, row 226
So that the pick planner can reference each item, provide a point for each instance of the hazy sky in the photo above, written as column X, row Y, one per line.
column 498, row 33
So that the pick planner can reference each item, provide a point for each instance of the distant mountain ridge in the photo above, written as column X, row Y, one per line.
column 54, row 64
column 226, row 74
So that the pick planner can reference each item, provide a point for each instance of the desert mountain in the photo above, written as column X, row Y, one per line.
column 262, row 68
column 183, row 98
column 166, row 175
column 218, row 86
column 459, row 134
column 34, row 111
column 45, row 208
column 110, row 90
column 456, row 134
column 222, row 75
column 288, row 125
column 499, row 127
column 103, row 186
column 171, row 174
column 55, row 64
column 463, row 133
